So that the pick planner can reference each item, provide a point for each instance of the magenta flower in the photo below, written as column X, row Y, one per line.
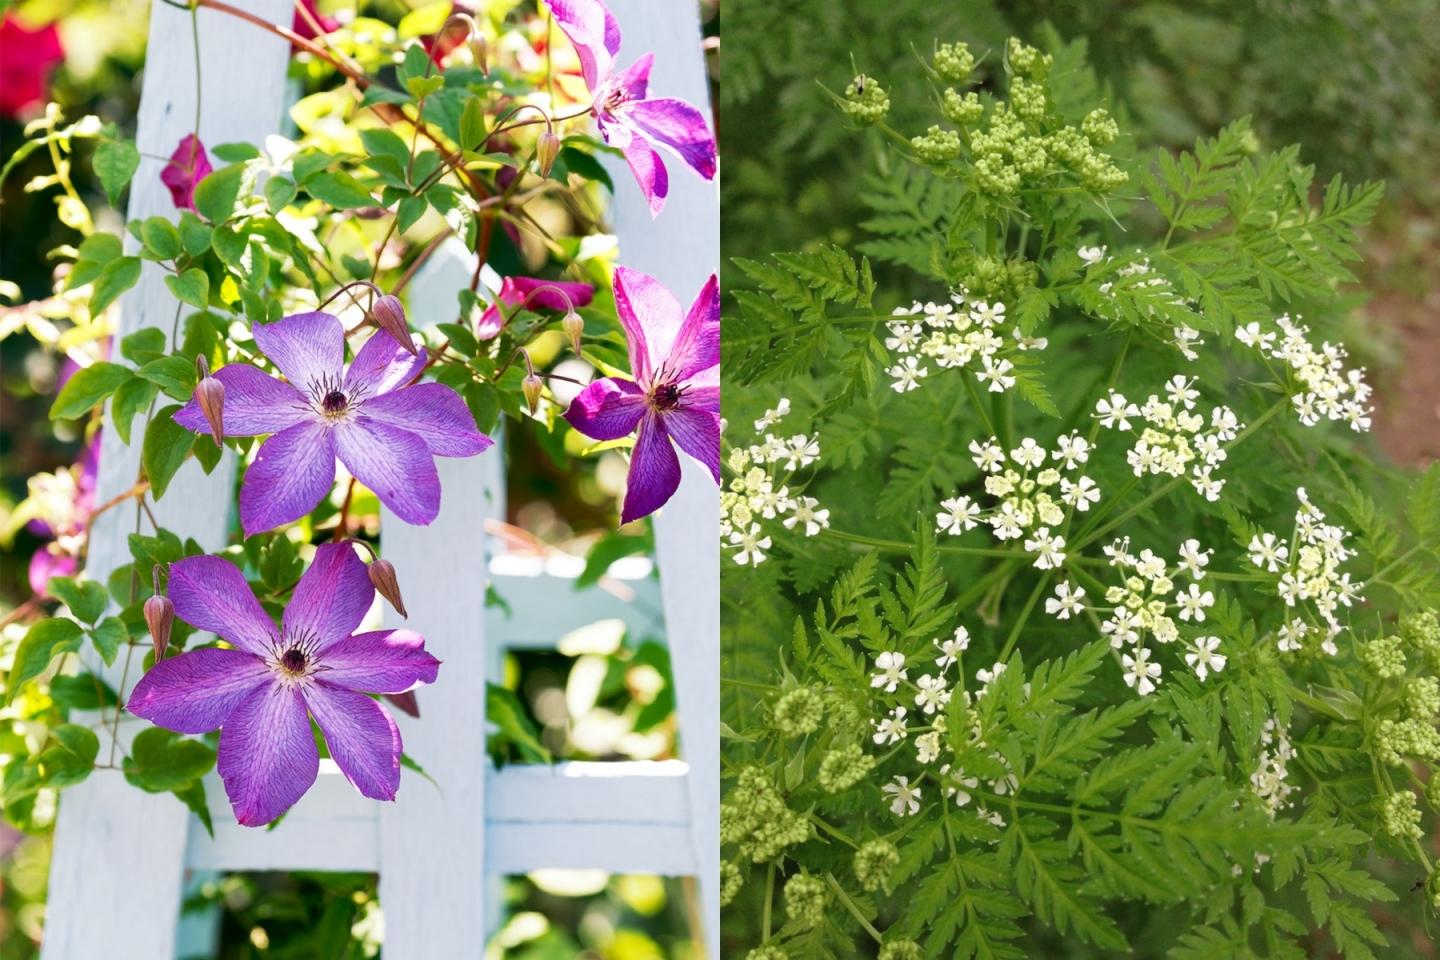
column 532, row 292
column 625, row 114
column 188, row 166
column 675, row 395
column 27, row 58
column 262, row 690
column 301, row 24
column 386, row 430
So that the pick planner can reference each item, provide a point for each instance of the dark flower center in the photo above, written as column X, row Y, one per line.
column 665, row 396
column 334, row 402
column 294, row 660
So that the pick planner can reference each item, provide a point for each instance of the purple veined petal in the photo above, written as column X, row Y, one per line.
column 593, row 31
column 634, row 80
column 654, row 471
column 394, row 463
column 291, row 474
column 434, row 413
column 309, row 348
column 608, row 409
column 187, row 166
column 255, row 404
column 196, row 691
column 268, row 757
column 210, row 593
column 382, row 661
column 678, row 126
column 649, row 170
column 697, row 345
column 702, row 389
column 382, row 365
column 332, row 597
column 651, row 318
column 697, row 432
column 363, row 739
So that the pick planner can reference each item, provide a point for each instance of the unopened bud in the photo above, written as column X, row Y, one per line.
column 532, row 386
column 387, row 584
column 389, row 316
column 574, row 327
column 210, row 395
column 480, row 52
column 405, row 701
column 159, row 617
column 547, row 148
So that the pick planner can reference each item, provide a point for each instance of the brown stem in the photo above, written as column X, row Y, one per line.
column 344, row 525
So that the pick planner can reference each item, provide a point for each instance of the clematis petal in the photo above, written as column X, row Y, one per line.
column 309, row 348
column 678, row 126
column 697, row 432
column 697, row 345
column 383, row 661
column 702, row 392
column 210, row 593
column 434, row 413
column 196, row 691
column 363, row 739
column 268, row 757
column 291, row 474
column 654, row 471
column 255, row 403
column 607, row 409
column 394, row 463
column 382, row 365
column 649, row 170
column 187, row 166
column 331, row 598
column 536, row 293
column 634, row 80
column 594, row 32
column 491, row 322
column 651, row 318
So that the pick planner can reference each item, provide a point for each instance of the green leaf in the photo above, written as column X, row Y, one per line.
column 194, row 235
column 115, row 163
column 143, row 345
column 584, row 165
column 117, row 276
column 161, row 761
column 193, row 796
column 161, row 238
column 133, row 396
column 235, row 152
column 89, row 386
column 472, row 124
column 1423, row 504
column 424, row 86
column 384, row 142
column 175, row 375
column 340, row 190
column 217, row 194
column 607, row 550
column 164, row 449
column 279, row 192
column 192, row 287
column 503, row 709
column 108, row 637
column 42, row 642
column 70, row 755
column 94, row 253
column 411, row 209
column 83, row 691
column 86, row 599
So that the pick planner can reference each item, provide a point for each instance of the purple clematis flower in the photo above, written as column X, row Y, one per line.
column 533, row 292
column 261, row 692
column 386, row 430
column 188, row 166
column 675, row 358
column 624, row 112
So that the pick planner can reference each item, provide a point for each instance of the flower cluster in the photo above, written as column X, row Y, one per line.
column 760, row 488
column 1031, row 497
column 1173, row 439
column 1153, row 288
column 961, row 333
column 1145, row 605
column 1310, row 581
column 1269, row 779
column 755, row 818
column 1326, row 390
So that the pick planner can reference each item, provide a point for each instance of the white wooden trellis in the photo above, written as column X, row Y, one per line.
column 123, row 858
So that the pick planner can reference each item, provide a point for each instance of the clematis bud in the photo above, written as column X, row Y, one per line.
column 480, row 52
column 532, row 386
column 574, row 326
column 547, row 148
column 210, row 395
column 159, row 617
column 405, row 701
column 387, row 584
column 389, row 316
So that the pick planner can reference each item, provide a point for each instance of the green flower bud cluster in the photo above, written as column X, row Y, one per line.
column 805, row 899
column 1422, row 696
column 866, row 100
column 756, row 819
column 799, row 712
column 1384, row 656
column 954, row 62
column 1396, row 740
column 1423, row 631
column 994, row 176
column 1027, row 99
column 731, row 880
column 1099, row 127
column 1026, row 61
column 874, row 862
column 937, row 145
column 1400, row 817
column 901, row 950
column 961, row 109
column 767, row 952
column 843, row 768
column 995, row 278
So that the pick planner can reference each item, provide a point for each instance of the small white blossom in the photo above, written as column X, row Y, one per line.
column 1204, row 659
column 892, row 729
column 904, row 799
column 951, row 648
column 1066, row 601
column 1140, row 673
column 891, row 665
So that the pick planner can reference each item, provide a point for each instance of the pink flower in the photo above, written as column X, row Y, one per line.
column 533, row 292
column 301, row 25
column 27, row 58
column 188, row 166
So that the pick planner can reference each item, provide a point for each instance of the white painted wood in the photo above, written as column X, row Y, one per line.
column 118, row 851
column 681, row 248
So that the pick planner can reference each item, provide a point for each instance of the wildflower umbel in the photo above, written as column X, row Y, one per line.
column 964, row 333
column 262, row 690
column 764, row 486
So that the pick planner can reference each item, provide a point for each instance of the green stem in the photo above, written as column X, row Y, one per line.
column 854, row 910
column 1029, row 608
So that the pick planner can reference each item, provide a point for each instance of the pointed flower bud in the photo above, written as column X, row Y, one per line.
column 547, row 148
column 480, row 52
column 387, row 584
column 159, row 617
column 210, row 395
column 389, row 316
column 404, row 701
column 533, row 387
column 574, row 327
